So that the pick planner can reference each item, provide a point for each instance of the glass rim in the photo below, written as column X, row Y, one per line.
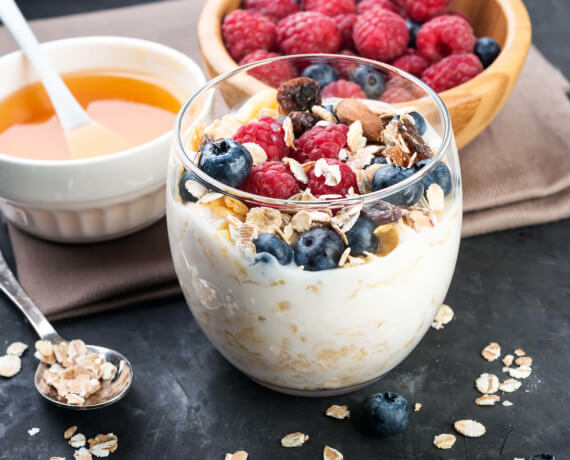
column 213, row 184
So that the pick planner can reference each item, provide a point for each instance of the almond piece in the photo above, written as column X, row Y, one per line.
column 350, row 110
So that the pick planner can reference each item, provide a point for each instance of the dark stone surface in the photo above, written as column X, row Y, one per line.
column 189, row 403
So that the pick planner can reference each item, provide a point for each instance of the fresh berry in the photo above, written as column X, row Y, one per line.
column 443, row 36
column 245, row 32
column 361, row 237
column 299, row 94
column 321, row 142
column 226, row 161
column 183, row 189
column 380, row 34
column 386, row 413
column 345, row 24
column 452, row 71
column 268, row 133
column 321, row 73
column 366, row 5
column 419, row 121
column 272, row 179
column 273, row 9
column 371, row 81
column 487, row 50
column 271, row 74
column 343, row 89
column 393, row 174
column 543, row 457
column 345, row 67
column 331, row 7
column 318, row 185
column 414, row 28
column 303, row 122
column 318, row 249
column 399, row 89
column 412, row 63
column 308, row 32
column 424, row 10
column 452, row 12
column 440, row 175
column 267, row 243
column 379, row 160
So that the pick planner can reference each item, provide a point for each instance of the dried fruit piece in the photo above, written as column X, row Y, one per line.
column 302, row 121
column 510, row 385
column 16, row 349
column 338, row 412
column 470, row 428
column 412, row 137
column 10, row 365
column 350, row 110
column 299, row 94
column 330, row 453
column 381, row 212
column 491, row 352
column 487, row 400
column 487, row 383
column 294, row 440
column 444, row 441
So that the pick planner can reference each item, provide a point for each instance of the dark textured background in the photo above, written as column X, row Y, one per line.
column 188, row 403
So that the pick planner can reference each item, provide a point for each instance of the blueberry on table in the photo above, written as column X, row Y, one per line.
column 440, row 175
column 386, row 413
column 371, row 81
column 419, row 121
column 487, row 50
column 413, row 27
column 321, row 73
column 393, row 174
column 318, row 249
column 543, row 457
column 185, row 194
column 361, row 237
column 227, row 161
column 267, row 243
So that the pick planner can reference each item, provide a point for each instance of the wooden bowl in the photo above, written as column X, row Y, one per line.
column 472, row 105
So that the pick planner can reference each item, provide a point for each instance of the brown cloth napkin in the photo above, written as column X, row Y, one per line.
column 516, row 173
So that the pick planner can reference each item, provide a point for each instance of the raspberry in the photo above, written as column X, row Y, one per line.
column 343, row 89
column 331, row 7
column 367, row 5
column 271, row 179
column 320, row 142
column 443, row 36
column 348, row 180
column 273, row 9
column 452, row 71
column 244, row 32
column 399, row 89
column 345, row 24
column 308, row 32
column 380, row 34
column 345, row 68
column 267, row 133
column 451, row 12
column 411, row 62
column 424, row 10
column 271, row 74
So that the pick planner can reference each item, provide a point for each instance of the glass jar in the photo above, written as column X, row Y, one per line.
column 303, row 332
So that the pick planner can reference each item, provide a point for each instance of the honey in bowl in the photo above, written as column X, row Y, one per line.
column 135, row 106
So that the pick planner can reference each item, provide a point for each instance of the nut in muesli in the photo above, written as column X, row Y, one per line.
column 444, row 441
column 338, row 412
column 487, row 383
column 329, row 453
column 470, row 428
column 294, row 440
column 350, row 110
column 491, row 352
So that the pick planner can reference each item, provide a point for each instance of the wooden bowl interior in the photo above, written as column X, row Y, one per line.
column 487, row 18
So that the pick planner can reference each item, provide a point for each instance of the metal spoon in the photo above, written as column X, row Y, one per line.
column 110, row 392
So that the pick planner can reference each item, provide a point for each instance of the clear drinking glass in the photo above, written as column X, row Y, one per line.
column 312, row 333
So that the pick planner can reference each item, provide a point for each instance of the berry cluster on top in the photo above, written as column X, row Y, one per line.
column 422, row 37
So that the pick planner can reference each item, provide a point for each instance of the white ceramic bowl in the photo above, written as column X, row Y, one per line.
column 100, row 198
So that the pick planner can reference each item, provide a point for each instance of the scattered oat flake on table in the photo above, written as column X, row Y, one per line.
column 239, row 455
column 330, row 453
column 510, row 385
column 16, row 349
column 508, row 360
column 443, row 316
column 103, row 444
column 444, row 441
column 69, row 432
column 519, row 352
column 294, row 439
column 487, row 400
column 491, row 352
column 82, row 454
column 507, row 403
column 417, row 407
column 33, row 431
column 77, row 440
column 339, row 412
column 521, row 372
column 523, row 361
column 487, row 383
column 57, row 458
column 10, row 365
column 470, row 428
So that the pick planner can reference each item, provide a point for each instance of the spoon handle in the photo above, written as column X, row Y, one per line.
column 69, row 111
column 9, row 284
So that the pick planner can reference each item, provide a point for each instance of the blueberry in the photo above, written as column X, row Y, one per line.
column 386, row 413
column 267, row 243
column 419, row 121
column 379, row 160
column 440, row 175
column 227, row 161
column 414, row 28
column 371, row 81
column 487, row 50
column 361, row 237
column 543, row 457
column 318, row 249
column 185, row 194
column 392, row 174
column 322, row 73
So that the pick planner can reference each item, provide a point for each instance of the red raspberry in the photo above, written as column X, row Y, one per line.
column 443, row 36
column 308, row 32
column 320, row 142
column 343, row 89
column 270, row 74
column 345, row 68
column 348, row 180
column 244, row 32
column 273, row 9
column 272, row 179
column 399, row 89
column 411, row 62
column 380, row 34
column 424, row 10
column 331, row 7
column 452, row 71
column 367, row 5
column 452, row 12
column 267, row 133
column 345, row 24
